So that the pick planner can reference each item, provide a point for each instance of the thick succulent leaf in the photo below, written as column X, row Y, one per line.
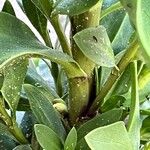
column 113, row 102
column 95, row 45
column 71, row 7
column 44, row 110
column 8, row 8
column 35, row 79
column 113, row 21
column 7, row 143
column 45, row 6
column 118, row 27
column 17, row 40
column 123, row 84
column 47, row 138
column 27, row 123
column 144, row 83
column 145, row 129
column 4, row 131
column 82, row 145
column 23, row 147
column 100, row 120
column 122, row 37
column 38, row 20
column 112, row 137
column 133, row 125
column 14, row 75
column 143, row 23
column 71, row 140
column 130, row 6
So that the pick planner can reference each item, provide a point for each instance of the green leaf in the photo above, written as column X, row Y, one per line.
column 4, row 131
column 143, row 23
column 8, row 8
column 123, row 84
column 17, row 40
column 7, row 143
column 112, row 137
column 134, row 115
column 1, row 80
column 122, row 37
column 71, row 140
column 145, row 130
column 7, row 140
column 27, row 123
column 112, row 102
column 45, row 6
column 130, row 6
column 98, row 121
column 146, row 146
column 44, row 110
column 47, row 138
column 35, row 79
column 95, row 45
column 71, row 7
column 23, row 147
column 38, row 20
column 14, row 75
column 113, row 21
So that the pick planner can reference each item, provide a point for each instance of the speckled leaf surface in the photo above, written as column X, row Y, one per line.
column 95, row 45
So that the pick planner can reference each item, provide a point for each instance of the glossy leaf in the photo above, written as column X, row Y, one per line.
column 133, row 125
column 37, row 19
column 71, row 7
column 122, row 37
column 145, row 129
column 143, row 23
column 47, row 138
column 113, row 21
column 71, row 140
column 27, row 123
column 7, row 143
column 23, row 147
column 44, row 110
column 130, row 6
column 17, row 40
column 123, row 84
column 112, row 102
column 98, row 121
column 95, row 45
column 45, row 6
column 112, row 137
column 35, row 79
column 14, row 75
column 8, row 8
column 4, row 131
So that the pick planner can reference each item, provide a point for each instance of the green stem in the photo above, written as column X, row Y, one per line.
column 12, row 124
column 116, row 72
column 79, row 23
column 111, row 9
column 80, row 87
column 61, row 36
column 79, row 96
column 133, row 126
